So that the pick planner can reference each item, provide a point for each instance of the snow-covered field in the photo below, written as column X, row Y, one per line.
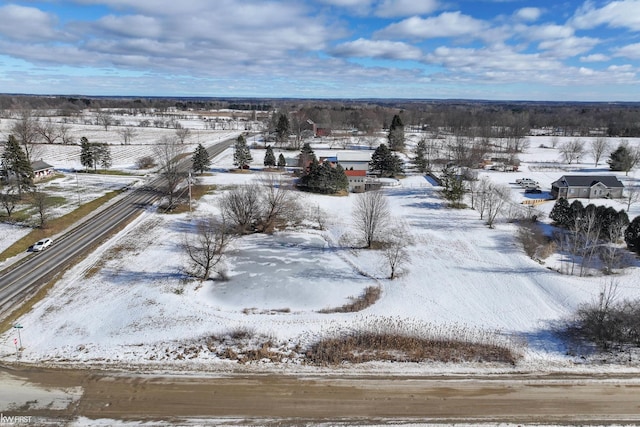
column 129, row 302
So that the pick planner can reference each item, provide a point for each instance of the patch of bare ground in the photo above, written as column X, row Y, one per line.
column 367, row 299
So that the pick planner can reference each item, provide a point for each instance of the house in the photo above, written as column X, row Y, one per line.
column 357, row 180
column 41, row 170
column 587, row 187
column 356, row 160
column 318, row 130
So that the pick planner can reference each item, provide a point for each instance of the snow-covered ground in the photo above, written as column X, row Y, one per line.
column 129, row 302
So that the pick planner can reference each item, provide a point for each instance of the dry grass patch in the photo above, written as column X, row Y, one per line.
column 367, row 299
column 398, row 340
column 368, row 347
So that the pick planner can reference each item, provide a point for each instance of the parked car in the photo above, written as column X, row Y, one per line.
column 41, row 245
column 527, row 182
column 532, row 190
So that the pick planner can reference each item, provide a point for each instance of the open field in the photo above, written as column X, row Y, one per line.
column 130, row 303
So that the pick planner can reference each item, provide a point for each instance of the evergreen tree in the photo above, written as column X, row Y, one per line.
column 282, row 162
column 396, row 134
column 17, row 166
column 282, row 128
column 420, row 156
column 632, row 235
column 323, row 178
column 623, row 158
column 200, row 159
column 561, row 212
column 242, row 154
column 453, row 186
column 103, row 156
column 384, row 162
column 306, row 156
column 269, row 157
column 577, row 211
column 86, row 154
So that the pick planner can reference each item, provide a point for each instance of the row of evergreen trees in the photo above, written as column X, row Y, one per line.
column 607, row 220
column 611, row 225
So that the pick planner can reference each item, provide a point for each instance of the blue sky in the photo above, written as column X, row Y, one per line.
column 442, row 49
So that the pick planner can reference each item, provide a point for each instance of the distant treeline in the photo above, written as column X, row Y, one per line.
column 477, row 119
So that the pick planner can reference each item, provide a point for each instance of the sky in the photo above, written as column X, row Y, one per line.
column 427, row 49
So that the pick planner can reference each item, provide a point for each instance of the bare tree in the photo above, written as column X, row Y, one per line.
column 65, row 135
column 182, row 134
column 480, row 193
column 599, row 147
column 394, row 249
column 572, row 151
column 496, row 198
column 371, row 216
column 279, row 204
column 207, row 246
column 168, row 153
column 127, row 134
column 42, row 204
column 25, row 129
column 104, row 119
column 241, row 206
column 48, row 130
column 9, row 197
column 632, row 195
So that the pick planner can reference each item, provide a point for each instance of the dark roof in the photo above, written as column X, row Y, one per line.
column 609, row 181
column 39, row 165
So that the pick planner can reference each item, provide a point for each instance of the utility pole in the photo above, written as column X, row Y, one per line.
column 189, row 191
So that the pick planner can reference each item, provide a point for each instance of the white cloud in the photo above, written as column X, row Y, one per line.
column 546, row 32
column 616, row 14
column 568, row 47
column 385, row 49
column 447, row 24
column 631, row 51
column 596, row 57
column 28, row 24
column 131, row 25
column 395, row 8
column 529, row 13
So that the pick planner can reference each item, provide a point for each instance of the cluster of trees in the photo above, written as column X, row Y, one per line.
column 94, row 154
column 270, row 159
column 609, row 322
column 376, row 228
column 590, row 234
column 317, row 177
column 247, row 209
column 17, row 182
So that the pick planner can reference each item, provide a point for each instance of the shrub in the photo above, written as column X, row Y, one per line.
column 145, row 162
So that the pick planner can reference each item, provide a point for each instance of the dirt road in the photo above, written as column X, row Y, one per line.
column 294, row 400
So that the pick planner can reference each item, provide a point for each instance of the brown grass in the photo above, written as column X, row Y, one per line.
column 367, row 299
column 56, row 225
column 368, row 346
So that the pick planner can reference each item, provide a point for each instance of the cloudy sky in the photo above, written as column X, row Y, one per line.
column 481, row 49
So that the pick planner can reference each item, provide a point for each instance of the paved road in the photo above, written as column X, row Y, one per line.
column 38, row 268
column 335, row 399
